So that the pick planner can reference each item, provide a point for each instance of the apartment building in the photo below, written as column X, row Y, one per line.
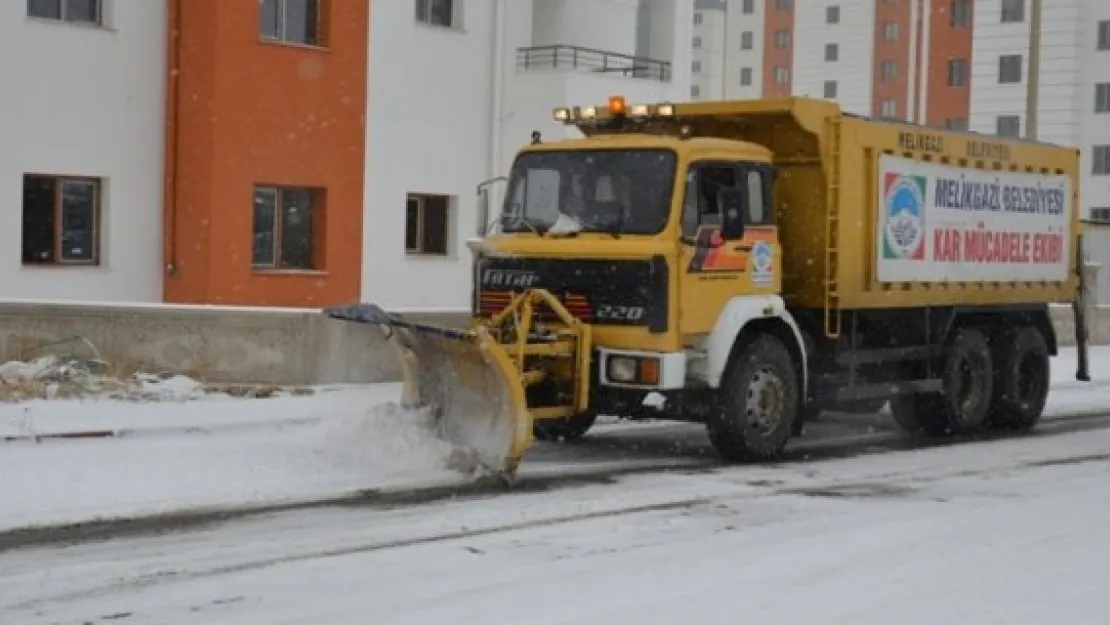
column 289, row 152
column 1023, row 68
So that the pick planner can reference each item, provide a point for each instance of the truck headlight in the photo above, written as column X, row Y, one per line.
column 622, row 369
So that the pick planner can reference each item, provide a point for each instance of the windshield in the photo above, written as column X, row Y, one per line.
column 610, row 191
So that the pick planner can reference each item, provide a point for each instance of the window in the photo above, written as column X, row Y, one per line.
column 890, row 70
column 830, row 89
column 427, row 224
column 697, row 42
column 957, row 72
column 1009, row 68
column 832, row 14
column 782, row 75
column 695, row 91
column 888, row 108
column 437, row 13
column 747, row 40
column 745, row 76
column 749, row 7
column 1104, row 35
column 890, row 31
column 286, row 227
column 782, row 38
column 832, row 52
column 956, row 123
column 960, row 14
column 61, row 220
column 291, row 21
column 1102, row 97
column 82, row 11
column 1100, row 214
column 615, row 191
column 1013, row 11
column 784, row 5
column 697, row 18
column 1008, row 126
column 1100, row 160
column 695, row 67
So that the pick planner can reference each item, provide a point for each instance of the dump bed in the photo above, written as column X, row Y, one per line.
column 877, row 214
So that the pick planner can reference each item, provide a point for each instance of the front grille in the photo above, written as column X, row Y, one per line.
column 492, row 302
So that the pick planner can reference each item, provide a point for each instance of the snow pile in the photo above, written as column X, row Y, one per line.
column 389, row 439
column 55, row 377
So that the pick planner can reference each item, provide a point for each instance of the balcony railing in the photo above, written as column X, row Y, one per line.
column 575, row 58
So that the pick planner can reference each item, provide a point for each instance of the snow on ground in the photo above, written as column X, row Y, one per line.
column 260, row 451
column 1011, row 531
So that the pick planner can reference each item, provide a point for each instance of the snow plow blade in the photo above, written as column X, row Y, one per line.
column 464, row 382
column 475, row 385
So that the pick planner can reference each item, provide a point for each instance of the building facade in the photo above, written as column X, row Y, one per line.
column 290, row 152
column 1024, row 68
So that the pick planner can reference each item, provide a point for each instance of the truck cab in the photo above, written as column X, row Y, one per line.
column 667, row 246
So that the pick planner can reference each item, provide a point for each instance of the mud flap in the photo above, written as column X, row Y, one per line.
column 465, row 382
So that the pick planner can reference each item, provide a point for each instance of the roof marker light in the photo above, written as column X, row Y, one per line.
column 617, row 105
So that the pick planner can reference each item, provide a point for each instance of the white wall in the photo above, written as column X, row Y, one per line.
column 993, row 39
column 854, row 36
column 709, row 55
column 1061, row 103
column 1095, row 190
column 721, row 55
column 88, row 101
column 428, row 130
column 608, row 25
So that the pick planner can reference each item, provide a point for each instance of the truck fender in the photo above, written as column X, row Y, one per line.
column 736, row 315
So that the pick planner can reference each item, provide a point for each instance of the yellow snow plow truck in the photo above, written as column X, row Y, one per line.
column 754, row 263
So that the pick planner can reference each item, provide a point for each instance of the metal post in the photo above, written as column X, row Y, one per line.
column 1079, row 309
column 724, row 53
column 1033, row 77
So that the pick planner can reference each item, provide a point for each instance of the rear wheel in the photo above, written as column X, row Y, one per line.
column 1022, row 379
column 757, row 403
column 967, row 383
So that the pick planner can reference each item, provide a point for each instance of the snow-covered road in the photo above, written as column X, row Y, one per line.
column 1013, row 531
column 861, row 526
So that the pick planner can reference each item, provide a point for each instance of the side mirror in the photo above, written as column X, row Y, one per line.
column 732, row 205
column 484, row 194
column 483, row 212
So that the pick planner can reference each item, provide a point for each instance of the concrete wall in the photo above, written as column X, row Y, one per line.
column 253, row 345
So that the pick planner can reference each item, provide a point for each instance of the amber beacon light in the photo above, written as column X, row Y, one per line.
column 617, row 105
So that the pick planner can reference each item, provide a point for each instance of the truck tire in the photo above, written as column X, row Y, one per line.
column 570, row 429
column 967, row 386
column 1022, row 379
column 757, row 403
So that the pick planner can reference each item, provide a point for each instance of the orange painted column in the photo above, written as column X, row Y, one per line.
column 946, row 43
column 776, row 19
column 244, row 111
column 897, row 52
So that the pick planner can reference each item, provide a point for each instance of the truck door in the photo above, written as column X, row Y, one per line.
column 712, row 270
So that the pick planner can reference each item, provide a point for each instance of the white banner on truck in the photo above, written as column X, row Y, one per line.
column 941, row 223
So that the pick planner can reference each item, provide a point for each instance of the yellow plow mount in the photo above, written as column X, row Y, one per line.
column 483, row 387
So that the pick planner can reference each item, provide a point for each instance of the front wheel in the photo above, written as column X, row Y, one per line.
column 757, row 403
